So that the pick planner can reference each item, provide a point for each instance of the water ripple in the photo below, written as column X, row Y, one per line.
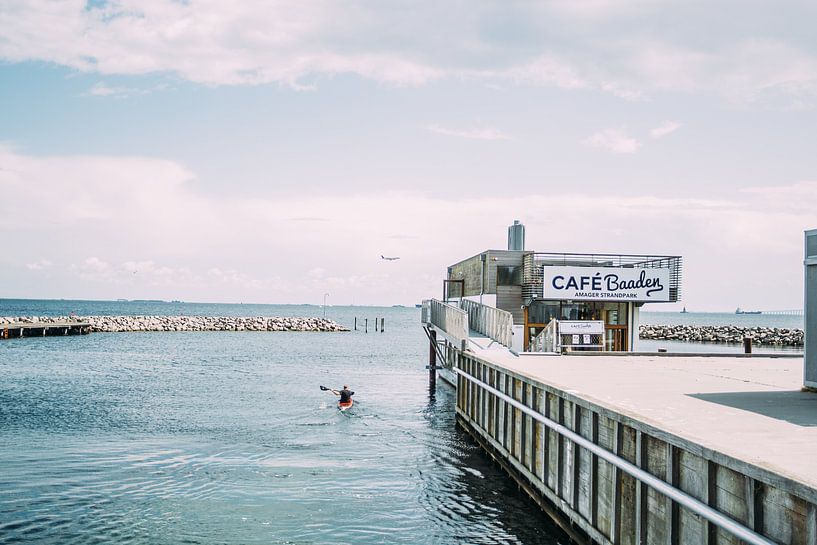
column 154, row 439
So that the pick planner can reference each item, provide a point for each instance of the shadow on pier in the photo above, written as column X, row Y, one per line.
column 793, row 406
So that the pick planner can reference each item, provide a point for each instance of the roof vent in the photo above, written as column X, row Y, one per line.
column 516, row 236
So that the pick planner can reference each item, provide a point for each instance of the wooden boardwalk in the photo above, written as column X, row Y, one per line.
column 42, row 329
column 736, row 434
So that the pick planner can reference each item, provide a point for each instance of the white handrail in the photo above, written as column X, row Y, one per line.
column 452, row 321
column 492, row 322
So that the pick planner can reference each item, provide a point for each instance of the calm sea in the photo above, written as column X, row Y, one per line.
column 225, row 437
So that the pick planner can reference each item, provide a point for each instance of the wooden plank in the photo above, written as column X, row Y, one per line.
column 640, row 492
column 560, row 452
column 673, row 470
column 615, row 525
column 577, row 427
column 594, row 472
column 711, row 475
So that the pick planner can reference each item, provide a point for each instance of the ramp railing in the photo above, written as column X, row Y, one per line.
column 492, row 322
column 451, row 320
column 548, row 339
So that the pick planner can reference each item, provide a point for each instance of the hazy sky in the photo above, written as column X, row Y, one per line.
column 270, row 152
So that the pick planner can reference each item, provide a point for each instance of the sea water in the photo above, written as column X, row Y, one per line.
column 226, row 437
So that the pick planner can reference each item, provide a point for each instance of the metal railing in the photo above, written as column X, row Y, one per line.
column 452, row 321
column 547, row 340
column 680, row 497
column 492, row 322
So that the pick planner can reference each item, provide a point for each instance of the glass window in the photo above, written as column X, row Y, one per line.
column 508, row 275
column 615, row 313
column 542, row 312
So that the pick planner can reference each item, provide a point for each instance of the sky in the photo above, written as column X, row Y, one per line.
column 271, row 152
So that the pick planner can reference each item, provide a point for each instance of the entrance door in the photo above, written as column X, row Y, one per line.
column 615, row 338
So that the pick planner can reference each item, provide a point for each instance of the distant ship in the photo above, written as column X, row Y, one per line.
column 684, row 311
column 738, row 311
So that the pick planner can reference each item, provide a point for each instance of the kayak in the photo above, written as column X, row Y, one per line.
column 344, row 406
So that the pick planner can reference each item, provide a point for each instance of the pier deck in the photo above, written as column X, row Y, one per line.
column 42, row 329
column 735, row 434
column 751, row 409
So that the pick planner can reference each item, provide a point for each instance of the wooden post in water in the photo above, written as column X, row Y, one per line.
column 747, row 345
column 355, row 323
column 432, row 360
column 376, row 319
column 382, row 325
column 366, row 325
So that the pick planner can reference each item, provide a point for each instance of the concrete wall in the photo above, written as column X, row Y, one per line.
column 595, row 501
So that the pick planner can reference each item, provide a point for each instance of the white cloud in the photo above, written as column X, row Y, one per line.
column 301, row 43
column 483, row 133
column 668, row 127
column 39, row 265
column 206, row 42
column 747, row 72
column 141, row 228
column 613, row 140
column 102, row 90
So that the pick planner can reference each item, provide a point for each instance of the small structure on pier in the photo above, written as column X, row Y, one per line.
column 571, row 300
column 810, row 311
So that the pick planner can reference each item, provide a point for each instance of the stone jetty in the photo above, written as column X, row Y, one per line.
column 112, row 324
column 722, row 334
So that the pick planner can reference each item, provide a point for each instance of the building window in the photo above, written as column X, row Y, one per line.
column 508, row 275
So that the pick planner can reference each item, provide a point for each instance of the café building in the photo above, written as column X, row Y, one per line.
column 587, row 301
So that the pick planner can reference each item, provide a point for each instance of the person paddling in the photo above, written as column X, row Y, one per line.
column 345, row 396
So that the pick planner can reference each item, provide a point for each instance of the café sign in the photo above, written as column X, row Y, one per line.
column 606, row 284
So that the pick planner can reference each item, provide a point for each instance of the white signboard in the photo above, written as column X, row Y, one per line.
column 606, row 284
column 576, row 327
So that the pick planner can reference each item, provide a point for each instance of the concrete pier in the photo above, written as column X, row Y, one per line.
column 12, row 330
column 734, row 436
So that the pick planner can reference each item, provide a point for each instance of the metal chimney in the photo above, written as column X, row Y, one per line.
column 516, row 236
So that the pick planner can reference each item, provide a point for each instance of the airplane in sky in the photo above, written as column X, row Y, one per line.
column 389, row 258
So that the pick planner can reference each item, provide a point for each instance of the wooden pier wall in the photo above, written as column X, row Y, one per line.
column 596, row 501
column 42, row 329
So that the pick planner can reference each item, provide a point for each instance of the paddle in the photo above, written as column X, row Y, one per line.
column 324, row 388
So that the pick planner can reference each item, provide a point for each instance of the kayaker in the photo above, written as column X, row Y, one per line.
column 345, row 394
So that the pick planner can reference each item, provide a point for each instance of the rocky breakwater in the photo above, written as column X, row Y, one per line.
column 112, row 324
column 722, row 334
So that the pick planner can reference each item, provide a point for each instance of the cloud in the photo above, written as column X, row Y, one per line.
column 102, row 89
column 246, row 43
column 484, row 133
column 613, row 140
column 301, row 44
column 664, row 129
column 39, row 265
column 142, row 228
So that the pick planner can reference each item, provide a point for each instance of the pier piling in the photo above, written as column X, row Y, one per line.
column 747, row 345
column 432, row 360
